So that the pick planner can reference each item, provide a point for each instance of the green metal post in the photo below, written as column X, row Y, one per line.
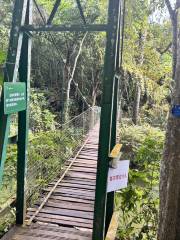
column 116, row 84
column 11, row 70
column 23, row 123
column 106, row 121
column 111, row 195
column 4, row 134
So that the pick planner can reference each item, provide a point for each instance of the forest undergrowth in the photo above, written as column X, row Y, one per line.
column 139, row 202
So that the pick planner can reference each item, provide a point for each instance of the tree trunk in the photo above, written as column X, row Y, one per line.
column 69, row 81
column 169, row 216
column 94, row 99
column 175, row 45
column 137, row 99
column 136, row 105
column 174, row 20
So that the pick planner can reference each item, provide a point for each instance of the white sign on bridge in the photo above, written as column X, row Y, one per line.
column 118, row 177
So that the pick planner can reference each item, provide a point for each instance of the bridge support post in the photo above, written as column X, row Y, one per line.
column 10, row 74
column 107, row 116
column 23, row 123
column 118, row 62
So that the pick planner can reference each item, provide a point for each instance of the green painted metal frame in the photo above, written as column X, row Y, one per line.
column 23, row 122
column 118, row 62
column 104, row 203
column 18, row 59
column 11, row 71
column 55, row 8
column 81, row 11
column 21, row 57
column 66, row 28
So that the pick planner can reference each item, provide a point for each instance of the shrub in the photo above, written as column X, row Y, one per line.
column 138, row 203
column 47, row 153
column 41, row 119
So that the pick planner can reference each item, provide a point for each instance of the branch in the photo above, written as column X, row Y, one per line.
column 165, row 50
column 170, row 9
column 77, row 57
column 177, row 4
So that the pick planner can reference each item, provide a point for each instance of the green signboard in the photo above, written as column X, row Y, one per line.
column 14, row 97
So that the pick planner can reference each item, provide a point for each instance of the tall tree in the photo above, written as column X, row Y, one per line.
column 140, row 60
column 174, row 20
column 70, row 77
column 169, row 214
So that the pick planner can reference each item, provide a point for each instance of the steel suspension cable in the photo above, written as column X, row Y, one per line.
column 44, row 21
column 53, row 41
column 123, row 27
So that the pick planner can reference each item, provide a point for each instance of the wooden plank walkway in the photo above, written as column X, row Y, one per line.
column 68, row 213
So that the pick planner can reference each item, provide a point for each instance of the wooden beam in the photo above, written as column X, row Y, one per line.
column 112, row 230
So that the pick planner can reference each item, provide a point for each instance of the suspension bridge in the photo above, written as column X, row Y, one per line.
column 76, row 205
column 67, row 204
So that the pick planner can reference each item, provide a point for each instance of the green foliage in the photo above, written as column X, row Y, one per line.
column 41, row 119
column 2, row 60
column 138, row 203
column 47, row 153
column 1, row 81
column 147, row 60
column 9, row 184
column 2, row 57
column 7, row 221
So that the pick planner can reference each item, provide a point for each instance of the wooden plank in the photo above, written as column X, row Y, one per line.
column 89, row 152
column 71, row 199
column 91, row 147
column 10, row 233
column 75, row 185
column 70, row 205
column 72, row 190
column 58, row 233
column 81, row 175
column 112, row 230
column 78, row 181
column 79, row 164
column 83, row 169
column 49, row 227
column 82, row 193
column 63, row 222
column 74, row 195
column 45, row 237
column 86, row 161
column 66, row 215
column 87, row 157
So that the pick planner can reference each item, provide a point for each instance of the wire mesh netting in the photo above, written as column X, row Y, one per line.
column 8, row 187
column 49, row 150
column 47, row 153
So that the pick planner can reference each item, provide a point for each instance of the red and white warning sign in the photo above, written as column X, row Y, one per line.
column 118, row 177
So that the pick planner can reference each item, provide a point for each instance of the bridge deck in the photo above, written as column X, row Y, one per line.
column 68, row 213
